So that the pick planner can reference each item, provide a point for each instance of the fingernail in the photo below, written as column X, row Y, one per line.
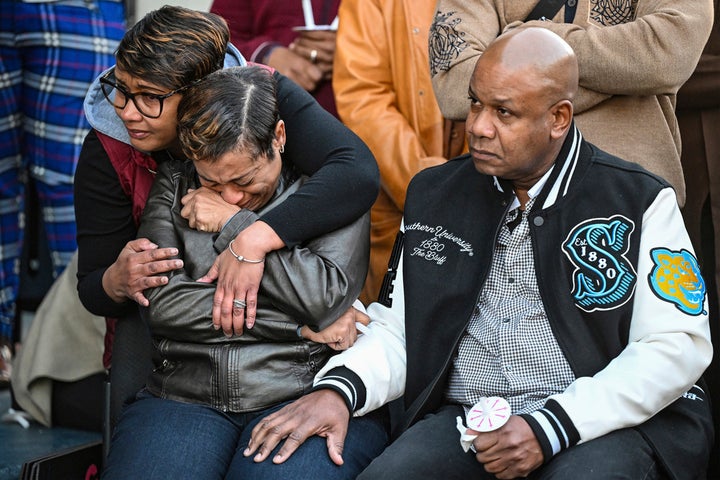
column 216, row 327
column 246, row 452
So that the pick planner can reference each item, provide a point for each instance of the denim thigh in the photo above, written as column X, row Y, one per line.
column 158, row 438
column 619, row 455
column 430, row 449
column 366, row 438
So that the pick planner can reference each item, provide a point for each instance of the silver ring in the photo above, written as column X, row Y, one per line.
column 239, row 303
column 313, row 55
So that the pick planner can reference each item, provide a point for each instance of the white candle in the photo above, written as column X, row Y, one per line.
column 308, row 13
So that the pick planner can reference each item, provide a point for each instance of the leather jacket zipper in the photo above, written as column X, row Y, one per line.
column 222, row 375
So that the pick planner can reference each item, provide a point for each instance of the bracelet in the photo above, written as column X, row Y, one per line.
column 240, row 258
column 299, row 331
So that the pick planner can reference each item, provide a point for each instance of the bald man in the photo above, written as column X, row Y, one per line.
column 634, row 55
column 541, row 270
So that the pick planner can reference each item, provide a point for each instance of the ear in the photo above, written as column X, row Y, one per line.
column 280, row 132
column 562, row 113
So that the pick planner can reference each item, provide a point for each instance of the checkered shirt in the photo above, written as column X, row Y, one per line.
column 508, row 349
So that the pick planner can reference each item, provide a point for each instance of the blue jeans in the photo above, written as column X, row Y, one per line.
column 430, row 449
column 158, row 438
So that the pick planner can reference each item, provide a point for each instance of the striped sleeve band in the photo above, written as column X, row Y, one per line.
column 345, row 382
column 553, row 429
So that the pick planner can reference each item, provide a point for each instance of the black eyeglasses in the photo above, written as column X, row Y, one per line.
column 148, row 104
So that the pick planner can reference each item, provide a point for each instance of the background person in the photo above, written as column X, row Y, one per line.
column 50, row 52
column 383, row 93
column 265, row 32
column 698, row 112
column 633, row 57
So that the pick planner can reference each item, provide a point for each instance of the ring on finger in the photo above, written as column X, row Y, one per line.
column 239, row 303
column 313, row 55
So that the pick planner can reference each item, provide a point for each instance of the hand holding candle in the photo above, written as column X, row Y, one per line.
column 488, row 414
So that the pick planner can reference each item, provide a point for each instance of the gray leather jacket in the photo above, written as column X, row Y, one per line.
column 311, row 284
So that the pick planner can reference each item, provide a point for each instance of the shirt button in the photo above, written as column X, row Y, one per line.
column 476, row 311
column 505, row 320
column 511, row 280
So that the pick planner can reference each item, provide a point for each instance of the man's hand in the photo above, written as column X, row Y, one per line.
column 511, row 451
column 341, row 334
column 136, row 269
column 323, row 413
column 205, row 210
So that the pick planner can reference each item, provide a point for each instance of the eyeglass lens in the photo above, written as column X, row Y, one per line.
column 147, row 104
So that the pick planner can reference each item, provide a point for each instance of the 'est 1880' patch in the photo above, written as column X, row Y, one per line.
column 603, row 278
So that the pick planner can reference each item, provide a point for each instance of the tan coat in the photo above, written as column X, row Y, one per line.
column 634, row 56
column 65, row 343
column 384, row 94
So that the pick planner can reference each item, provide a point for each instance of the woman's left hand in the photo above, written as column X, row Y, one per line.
column 237, row 281
column 205, row 210
column 341, row 334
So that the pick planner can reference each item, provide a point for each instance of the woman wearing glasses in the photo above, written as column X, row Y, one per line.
column 133, row 110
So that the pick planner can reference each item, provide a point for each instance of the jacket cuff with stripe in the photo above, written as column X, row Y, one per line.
column 553, row 428
column 347, row 383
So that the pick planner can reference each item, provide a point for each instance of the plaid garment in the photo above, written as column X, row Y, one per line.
column 508, row 349
column 49, row 55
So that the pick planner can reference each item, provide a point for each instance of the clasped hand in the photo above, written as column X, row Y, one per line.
column 296, row 60
column 205, row 210
column 511, row 451
column 342, row 333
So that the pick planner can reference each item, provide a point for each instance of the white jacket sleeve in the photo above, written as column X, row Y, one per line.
column 378, row 355
column 669, row 344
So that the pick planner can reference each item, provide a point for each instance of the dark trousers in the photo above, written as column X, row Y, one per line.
column 431, row 449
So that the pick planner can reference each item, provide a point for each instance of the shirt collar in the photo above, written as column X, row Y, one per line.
column 534, row 191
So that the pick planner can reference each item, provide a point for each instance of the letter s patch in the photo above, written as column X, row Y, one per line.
column 603, row 278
